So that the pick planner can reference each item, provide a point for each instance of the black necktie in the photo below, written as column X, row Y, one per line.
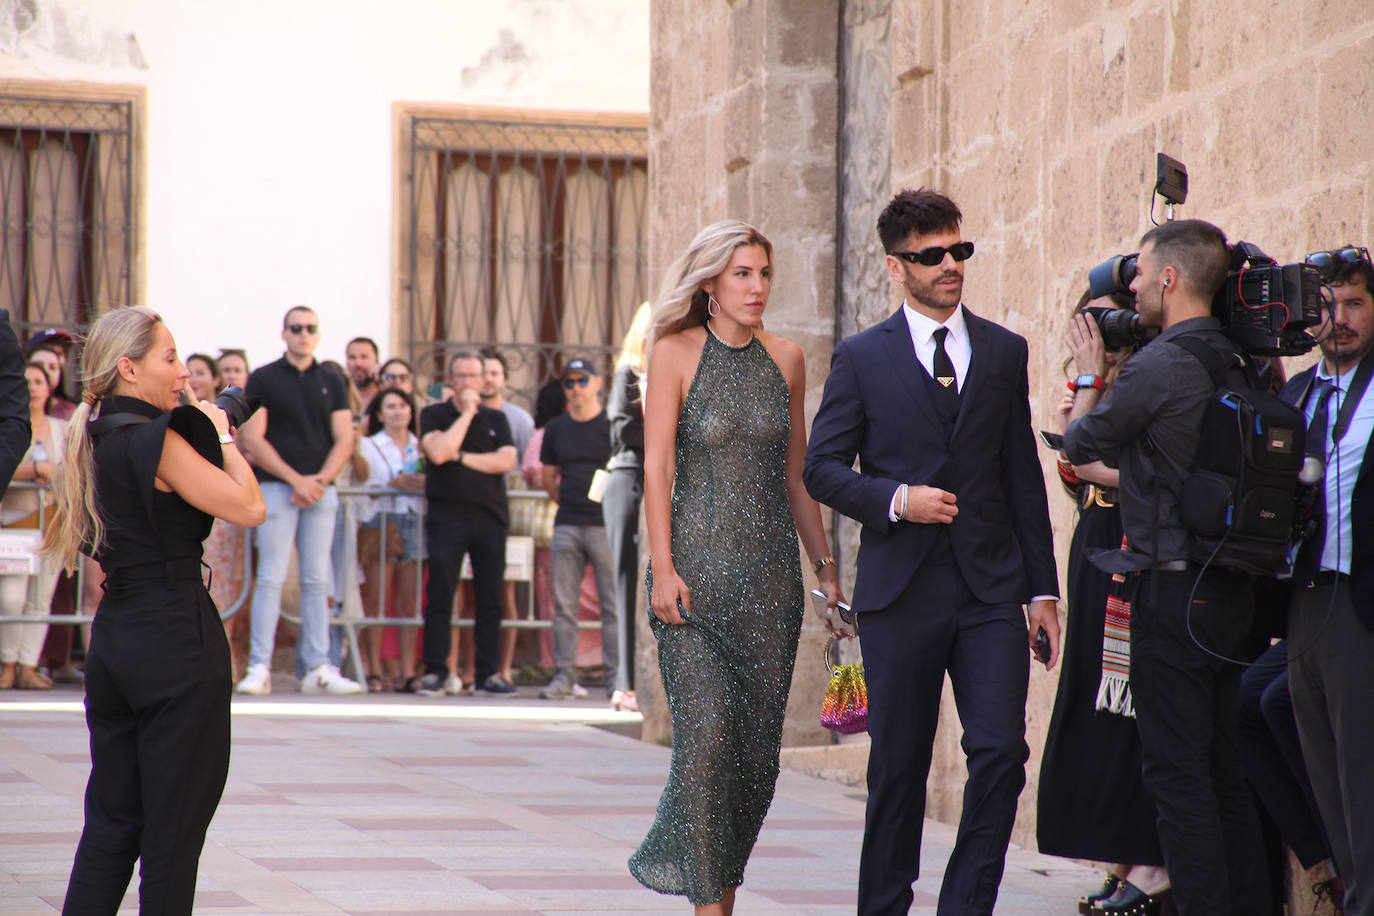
column 1309, row 558
column 944, row 367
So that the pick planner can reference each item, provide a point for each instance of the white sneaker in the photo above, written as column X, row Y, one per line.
column 327, row 679
column 563, row 687
column 257, row 680
column 453, row 686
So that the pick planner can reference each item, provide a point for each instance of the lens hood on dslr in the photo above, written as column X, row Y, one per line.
column 237, row 405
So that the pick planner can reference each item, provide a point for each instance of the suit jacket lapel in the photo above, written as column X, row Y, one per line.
column 901, row 353
column 978, row 343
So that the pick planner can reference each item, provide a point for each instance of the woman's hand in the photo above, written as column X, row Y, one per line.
column 1063, row 410
column 829, row 580
column 411, row 480
column 669, row 590
column 217, row 416
column 1085, row 345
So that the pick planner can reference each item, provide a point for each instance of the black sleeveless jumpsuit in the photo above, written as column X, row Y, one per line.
column 157, row 677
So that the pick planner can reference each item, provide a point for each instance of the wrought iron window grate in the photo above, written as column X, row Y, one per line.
column 66, row 210
column 528, row 236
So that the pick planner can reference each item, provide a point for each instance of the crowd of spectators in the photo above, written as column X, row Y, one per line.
column 459, row 447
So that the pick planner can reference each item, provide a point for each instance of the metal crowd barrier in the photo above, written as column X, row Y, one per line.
column 15, row 560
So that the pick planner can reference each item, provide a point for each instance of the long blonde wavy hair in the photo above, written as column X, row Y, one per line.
column 76, row 523
column 681, row 302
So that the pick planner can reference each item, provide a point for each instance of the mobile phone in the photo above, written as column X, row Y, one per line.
column 820, row 601
column 1052, row 440
column 436, row 391
column 1042, row 646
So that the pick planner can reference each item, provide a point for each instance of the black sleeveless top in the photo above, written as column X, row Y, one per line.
column 142, row 523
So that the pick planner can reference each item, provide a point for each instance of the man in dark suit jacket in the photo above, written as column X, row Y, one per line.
column 956, row 538
column 14, row 403
column 1331, row 614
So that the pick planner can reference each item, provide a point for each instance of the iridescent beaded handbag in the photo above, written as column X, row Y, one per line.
column 845, row 707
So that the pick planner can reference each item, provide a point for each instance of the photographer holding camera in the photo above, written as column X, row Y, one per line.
column 1331, row 614
column 1185, row 696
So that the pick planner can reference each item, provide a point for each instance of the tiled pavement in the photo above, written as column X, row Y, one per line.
column 385, row 804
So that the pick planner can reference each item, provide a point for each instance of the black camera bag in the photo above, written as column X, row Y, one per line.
column 1239, row 502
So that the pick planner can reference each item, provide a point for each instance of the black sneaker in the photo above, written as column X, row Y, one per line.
column 431, row 685
column 497, row 686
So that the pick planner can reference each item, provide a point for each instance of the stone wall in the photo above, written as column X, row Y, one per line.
column 743, row 125
column 1042, row 119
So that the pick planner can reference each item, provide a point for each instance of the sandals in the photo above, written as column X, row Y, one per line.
column 624, row 701
column 375, row 684
column 410, row 684
column 27, row 677
column 7, row 676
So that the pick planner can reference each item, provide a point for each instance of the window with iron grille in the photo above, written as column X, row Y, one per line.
column 523, row 232
column 67, row 204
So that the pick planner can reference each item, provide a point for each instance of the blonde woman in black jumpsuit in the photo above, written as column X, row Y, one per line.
column 157, row 672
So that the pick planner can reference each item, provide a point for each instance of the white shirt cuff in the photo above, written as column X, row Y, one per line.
column 1044, row 598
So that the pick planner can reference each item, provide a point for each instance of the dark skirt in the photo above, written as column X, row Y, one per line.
column 1092, row 802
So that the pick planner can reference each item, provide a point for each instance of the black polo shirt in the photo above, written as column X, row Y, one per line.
column 456, row 491
column 300, row 408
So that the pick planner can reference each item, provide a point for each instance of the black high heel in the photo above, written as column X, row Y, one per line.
column 1129, row 900
column 1109, row 886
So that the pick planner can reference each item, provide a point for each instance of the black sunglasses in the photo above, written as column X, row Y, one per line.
column 302, row 328
column 571, row 383
column 1330, row 262
column 395, row 376
column 929, row 257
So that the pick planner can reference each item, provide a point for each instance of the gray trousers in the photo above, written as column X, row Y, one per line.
column 1331, row 685
column 575, row 546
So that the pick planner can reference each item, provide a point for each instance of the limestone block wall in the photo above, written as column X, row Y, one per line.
column 743, row 125
column 1042, row 119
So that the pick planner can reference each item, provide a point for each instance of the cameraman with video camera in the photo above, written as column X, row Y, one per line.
column 1331, row 614
column 1185, row 697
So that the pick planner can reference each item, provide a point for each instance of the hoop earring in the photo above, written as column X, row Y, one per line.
column 710, row 301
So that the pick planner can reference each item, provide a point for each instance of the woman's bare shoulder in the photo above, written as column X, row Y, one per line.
column 785, row 353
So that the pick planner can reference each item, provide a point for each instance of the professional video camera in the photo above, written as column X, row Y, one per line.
column 1265, row 307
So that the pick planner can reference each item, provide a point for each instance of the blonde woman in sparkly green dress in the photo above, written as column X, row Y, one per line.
column 724, row 442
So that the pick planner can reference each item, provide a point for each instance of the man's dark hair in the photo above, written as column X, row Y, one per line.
column 1196, row 249
column 1351, row 273
column 376, row 354
column 286, row 319
column 463, row 354
column 493, row 353
column 922, row 212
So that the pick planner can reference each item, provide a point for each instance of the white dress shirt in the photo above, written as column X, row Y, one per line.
column 1342, row 467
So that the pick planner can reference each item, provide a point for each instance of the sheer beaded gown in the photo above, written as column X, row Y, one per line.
column 727, row 671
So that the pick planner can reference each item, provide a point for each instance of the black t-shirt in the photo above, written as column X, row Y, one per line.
column 300, row 411
column 458, row 491
column 578, row 449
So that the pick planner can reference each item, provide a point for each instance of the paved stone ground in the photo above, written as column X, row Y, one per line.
column 385, row 804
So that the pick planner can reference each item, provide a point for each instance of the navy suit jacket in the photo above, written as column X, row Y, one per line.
column 876, row 408
column 1361, row 508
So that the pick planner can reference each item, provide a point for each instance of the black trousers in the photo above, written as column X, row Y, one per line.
column 157, row 704
column 1186, row 709
column 482, row 539
column 1332, row 686
column 620, row 510
column 937, row 626
column 1271, row 755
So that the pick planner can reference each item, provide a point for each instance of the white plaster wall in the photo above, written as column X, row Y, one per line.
column 269, row 178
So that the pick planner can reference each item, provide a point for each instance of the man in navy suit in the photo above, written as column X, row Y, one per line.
column 1331, row 615
column 956, row 538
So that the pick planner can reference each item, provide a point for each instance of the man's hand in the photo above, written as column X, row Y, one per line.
column 1044, row 613
column 930, row 505
column 1064, row 409
column 468, row 399
column 307, row 490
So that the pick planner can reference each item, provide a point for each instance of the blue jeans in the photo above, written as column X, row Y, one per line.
column 312, row 531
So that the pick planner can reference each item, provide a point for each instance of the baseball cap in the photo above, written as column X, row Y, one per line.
column 584, row 366
column 51, row 336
